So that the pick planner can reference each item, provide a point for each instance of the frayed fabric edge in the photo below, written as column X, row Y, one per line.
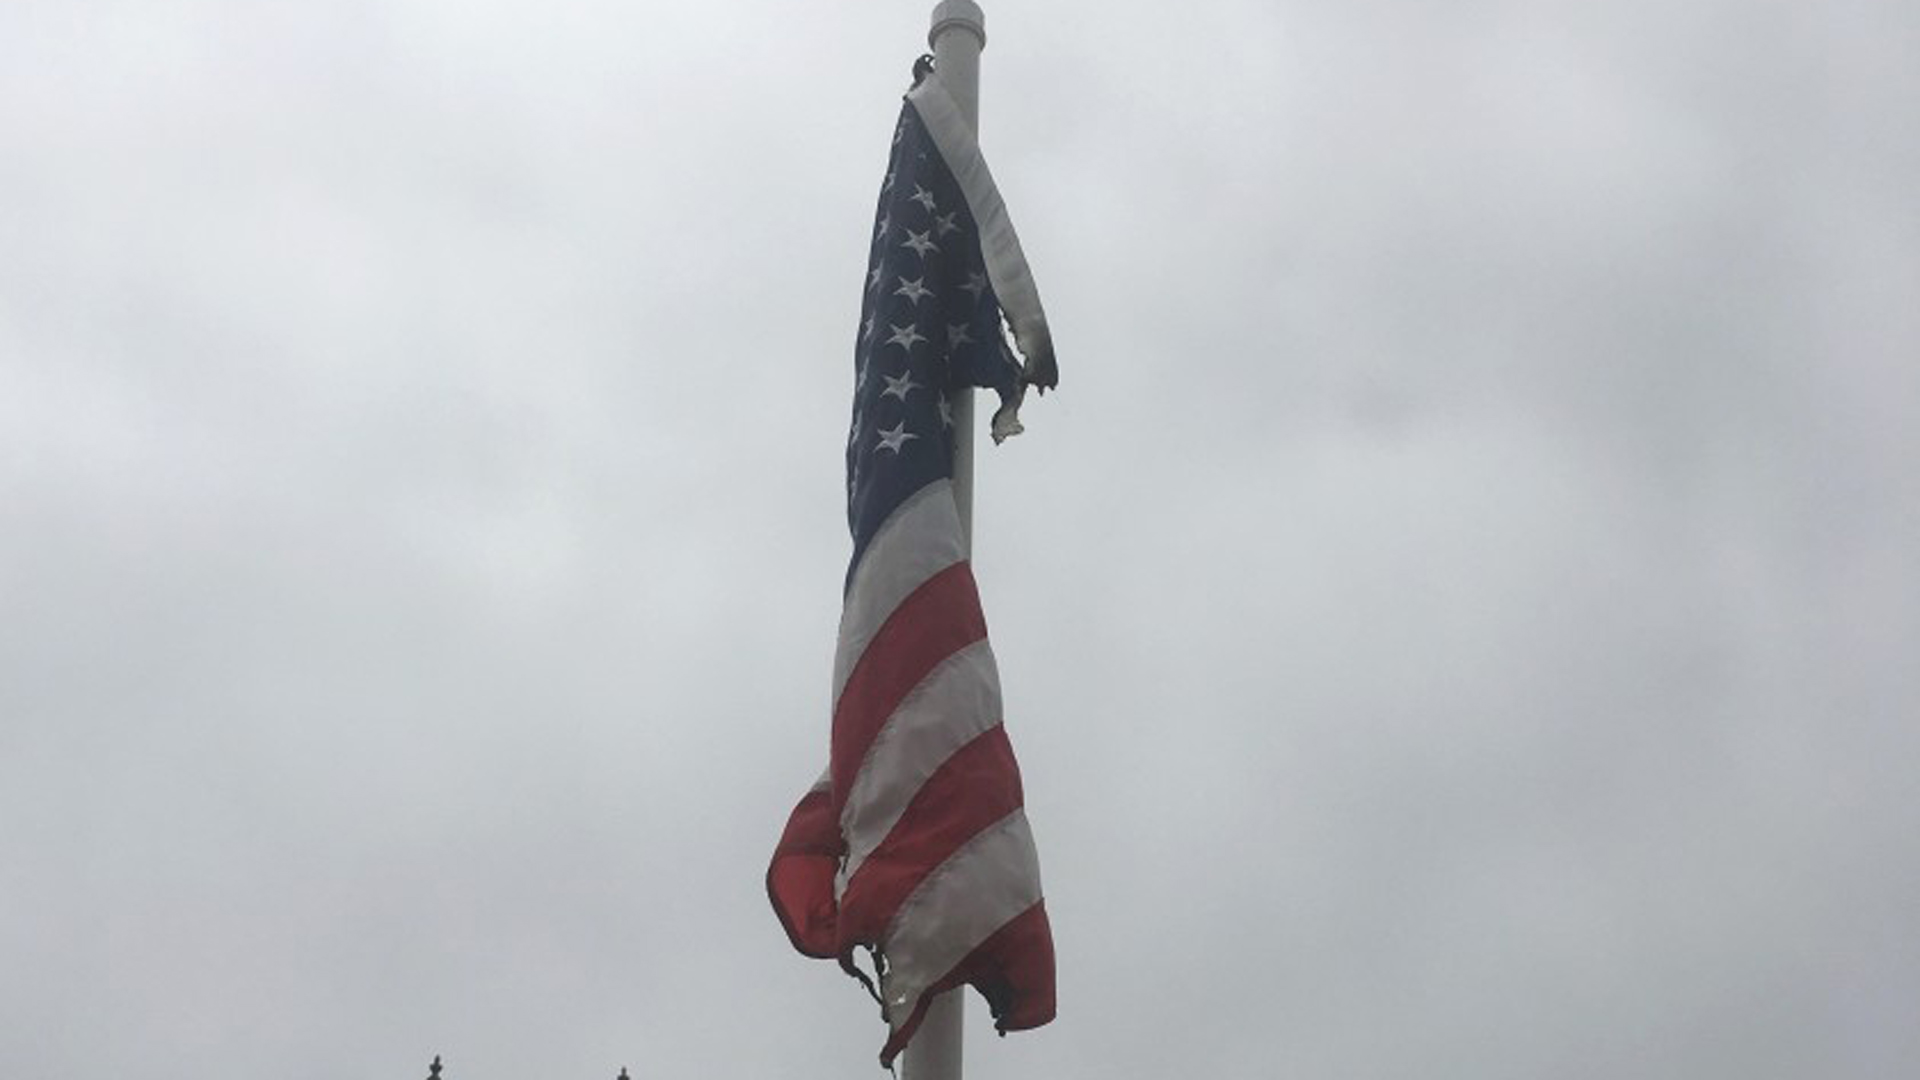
column 1006, row 262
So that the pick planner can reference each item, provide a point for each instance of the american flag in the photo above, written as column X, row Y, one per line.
column 914, row 844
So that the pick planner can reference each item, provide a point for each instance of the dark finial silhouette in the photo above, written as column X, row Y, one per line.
column 623, row 1073
column 922, row 68
column 433, row 1070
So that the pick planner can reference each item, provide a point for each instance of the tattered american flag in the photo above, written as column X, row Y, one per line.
column 914, row 844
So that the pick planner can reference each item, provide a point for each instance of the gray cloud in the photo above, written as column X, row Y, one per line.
column 1456, row 617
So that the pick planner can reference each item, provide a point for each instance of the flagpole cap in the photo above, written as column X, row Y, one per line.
column 958, row 15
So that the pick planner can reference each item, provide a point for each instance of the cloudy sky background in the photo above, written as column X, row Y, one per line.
column 1460, row 616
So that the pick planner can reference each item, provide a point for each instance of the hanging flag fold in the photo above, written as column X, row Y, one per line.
column 914, row 843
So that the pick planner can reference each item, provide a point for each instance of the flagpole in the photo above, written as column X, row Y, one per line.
column 957, row 34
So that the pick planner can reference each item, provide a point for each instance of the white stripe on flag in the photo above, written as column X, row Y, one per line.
column 920, row 539
column 981, row 888
column 999, row 244
column 956, row 703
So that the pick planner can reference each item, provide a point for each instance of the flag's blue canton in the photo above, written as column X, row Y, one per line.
column 929, row 322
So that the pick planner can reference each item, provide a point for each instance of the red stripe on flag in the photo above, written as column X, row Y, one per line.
column 800, row 878
column 936, row 620
column 976, row 786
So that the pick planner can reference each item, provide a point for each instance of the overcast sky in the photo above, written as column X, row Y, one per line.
column 1459, row 617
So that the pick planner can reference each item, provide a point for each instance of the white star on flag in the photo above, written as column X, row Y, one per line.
column 899, row 387
column 896, row 437
column 905, row 336
column 913, row 290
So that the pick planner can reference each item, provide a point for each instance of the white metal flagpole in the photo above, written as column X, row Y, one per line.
column 957, row 35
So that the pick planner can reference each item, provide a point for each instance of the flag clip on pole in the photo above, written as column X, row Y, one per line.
column 957, row 34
